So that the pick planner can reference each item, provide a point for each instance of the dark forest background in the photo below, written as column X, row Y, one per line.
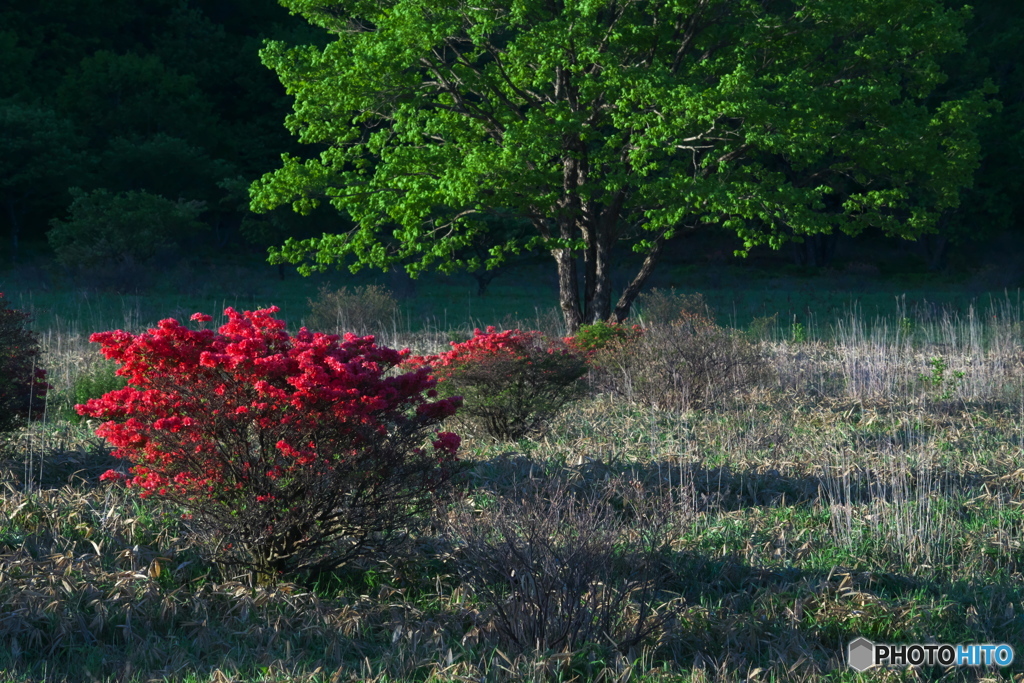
column 152, row 119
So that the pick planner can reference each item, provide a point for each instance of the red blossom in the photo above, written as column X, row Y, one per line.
column 186, row 386
column 243, row 423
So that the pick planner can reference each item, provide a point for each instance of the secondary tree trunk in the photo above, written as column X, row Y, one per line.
column 815, row 251
column 631, row 291
column 568, row 289
column 12, row 215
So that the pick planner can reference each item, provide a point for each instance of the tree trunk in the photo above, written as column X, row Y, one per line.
column 568, row 289
column 816, row 251
column 605, row 234
column 12, row 215
column 629, row 295
column 601, row 306
column 569, row 214
column 589, row 273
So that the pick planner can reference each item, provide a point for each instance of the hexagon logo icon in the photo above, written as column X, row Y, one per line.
column 860, row 654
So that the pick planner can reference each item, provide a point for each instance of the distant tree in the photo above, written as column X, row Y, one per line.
column 605, row 122
column 994, row 203
column 106, row 228
column 40, row 153
column 15, row 62
column 501, row 226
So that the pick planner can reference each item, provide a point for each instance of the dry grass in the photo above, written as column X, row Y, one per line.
column 846, row 497
column 365, row 310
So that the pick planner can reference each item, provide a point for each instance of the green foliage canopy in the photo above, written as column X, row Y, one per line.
column 108, row 92
column 603, row 122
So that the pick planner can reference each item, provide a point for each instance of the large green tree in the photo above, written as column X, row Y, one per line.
column 617, row 123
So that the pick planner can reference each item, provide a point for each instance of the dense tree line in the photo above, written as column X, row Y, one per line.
column 995, row 204
column 118, row 112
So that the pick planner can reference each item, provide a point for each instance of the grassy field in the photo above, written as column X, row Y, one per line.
column 812, row 301
column 871, row 488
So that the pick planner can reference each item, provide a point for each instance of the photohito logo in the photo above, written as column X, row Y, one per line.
column 862, row 654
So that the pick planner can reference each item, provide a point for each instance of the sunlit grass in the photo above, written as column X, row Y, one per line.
column 850, row 498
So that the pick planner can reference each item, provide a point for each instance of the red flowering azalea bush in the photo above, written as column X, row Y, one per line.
column 290, row 453
column 512, row 382
column 23, row 384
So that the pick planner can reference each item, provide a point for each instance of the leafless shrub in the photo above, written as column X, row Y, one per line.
column 659, row 307
column 364, row 310
column 690, row 362
column 562, row 568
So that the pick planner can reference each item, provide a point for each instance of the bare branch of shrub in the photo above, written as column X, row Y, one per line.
column 561, row 568
column 363, row 310
column 689, row 363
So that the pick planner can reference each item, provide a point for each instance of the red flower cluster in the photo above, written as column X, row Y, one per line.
column 249, row 416
column 485, row 346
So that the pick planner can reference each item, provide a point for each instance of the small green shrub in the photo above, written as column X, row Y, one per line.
column 601, row 335
column 762, row 329
column 942, row 386
column 23, row 384
column 906, row 328
column 798, row 333
column 362, row 311
column 511, row 382
column 93, row 383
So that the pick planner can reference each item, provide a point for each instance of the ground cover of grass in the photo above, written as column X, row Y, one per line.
column 858, row 494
